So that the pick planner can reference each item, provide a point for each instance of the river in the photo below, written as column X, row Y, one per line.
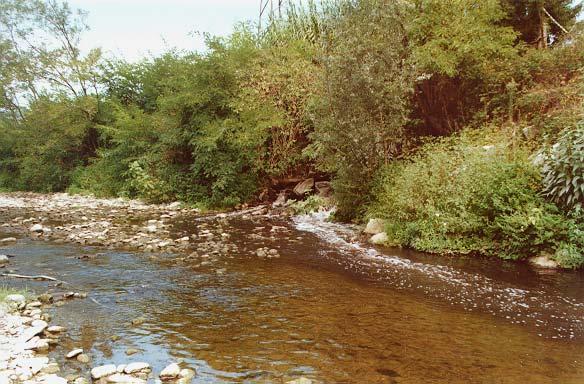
column 329, row 308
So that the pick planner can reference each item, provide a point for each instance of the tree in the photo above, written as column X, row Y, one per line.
column 367, row 84
column 541, row 22
column 39, row 42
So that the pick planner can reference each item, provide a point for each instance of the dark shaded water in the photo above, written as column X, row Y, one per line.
column 328, row 309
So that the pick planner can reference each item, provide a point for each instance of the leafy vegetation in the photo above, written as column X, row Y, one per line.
column 428, row 113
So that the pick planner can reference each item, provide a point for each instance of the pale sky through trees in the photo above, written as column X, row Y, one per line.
column 135, row 28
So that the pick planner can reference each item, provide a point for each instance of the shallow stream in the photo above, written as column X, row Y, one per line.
column 330, row 309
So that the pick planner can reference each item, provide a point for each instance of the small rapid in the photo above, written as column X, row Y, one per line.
column 550, row 313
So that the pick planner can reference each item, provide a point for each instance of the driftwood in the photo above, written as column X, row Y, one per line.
column 36, row 277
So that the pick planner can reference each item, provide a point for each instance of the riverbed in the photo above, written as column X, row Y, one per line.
column 326, row 306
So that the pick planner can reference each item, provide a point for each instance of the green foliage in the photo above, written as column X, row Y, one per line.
column 528, row 16
column 359, row 123
column 563, row 169
column 58, row 136
column 313, row 203
column 464, row 56
column 471, row 195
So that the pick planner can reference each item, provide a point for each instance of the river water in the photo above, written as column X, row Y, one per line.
column 330, row 308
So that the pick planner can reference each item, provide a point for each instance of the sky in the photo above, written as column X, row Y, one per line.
column 136, row 28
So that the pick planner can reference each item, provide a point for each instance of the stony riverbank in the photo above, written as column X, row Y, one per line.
column 118, row 224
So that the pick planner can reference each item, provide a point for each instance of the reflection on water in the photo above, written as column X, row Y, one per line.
column 327, row 309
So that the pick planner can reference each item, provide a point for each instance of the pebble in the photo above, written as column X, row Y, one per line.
column 74, row 353
column 137, row 367
column 131, row 351
column 83, row 358
column 103, row 371
column 170, row 372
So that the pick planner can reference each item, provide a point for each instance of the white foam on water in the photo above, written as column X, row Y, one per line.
column 562, row 316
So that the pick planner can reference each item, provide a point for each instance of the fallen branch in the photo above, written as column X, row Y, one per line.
column 37, row 277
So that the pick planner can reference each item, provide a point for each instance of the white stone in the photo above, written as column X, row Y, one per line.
column 74, row 353
column 4, row 259
column 379, row 239
column 103, row 371
column 375, row 226
column 35, row 364
column 136, row 367
column 544, row 262
column 37, row 228
column 53, row 379
column 19, row 299
column 56, row 329
column 170, row 372
column 8, row 240
column 122, row 378
column 302, row 380
column 187, row 373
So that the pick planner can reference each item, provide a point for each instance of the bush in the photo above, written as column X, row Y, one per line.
column 367, row 83
column 471, row 195
column 563, row 169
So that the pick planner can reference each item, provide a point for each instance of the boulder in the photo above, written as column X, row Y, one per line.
column 304, row 187
column 8, row 240
column 379, row 239
column 544, row 261
column 375, row 226
column 4, row 260
column 323, row 188
column 280, row 200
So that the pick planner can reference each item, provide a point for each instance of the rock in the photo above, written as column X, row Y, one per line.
column 544, row 261
column 174, row 205
column 171, row 372
column 138, row 321
column 35, row 364
column 74, row 353
column 187, row 374
column 83, row 358
column 375, row 226
column 53, row 379
column 131, row 351
column 31, row 332
column 302, row 380
column 81, row 380
column 115, row 338
column 16, row 299
column 37, row 228
column 103, row 371
column 33, row 304
column 280, row 200
column 8, row 240
column 56, row 329
column 136, row 367
column 46, row 298
column 379, row 239
column 125, row 379
column 4, row 260
column 323, row 188
column 42, row 345
column 304, row 187
column 51, row 368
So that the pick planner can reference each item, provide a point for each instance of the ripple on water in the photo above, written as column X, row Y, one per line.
column 556, row 316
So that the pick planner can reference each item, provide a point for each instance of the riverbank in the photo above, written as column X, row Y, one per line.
column 106, row 224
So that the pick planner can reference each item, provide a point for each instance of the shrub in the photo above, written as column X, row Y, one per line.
column 563, row 169
column 471, row 195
